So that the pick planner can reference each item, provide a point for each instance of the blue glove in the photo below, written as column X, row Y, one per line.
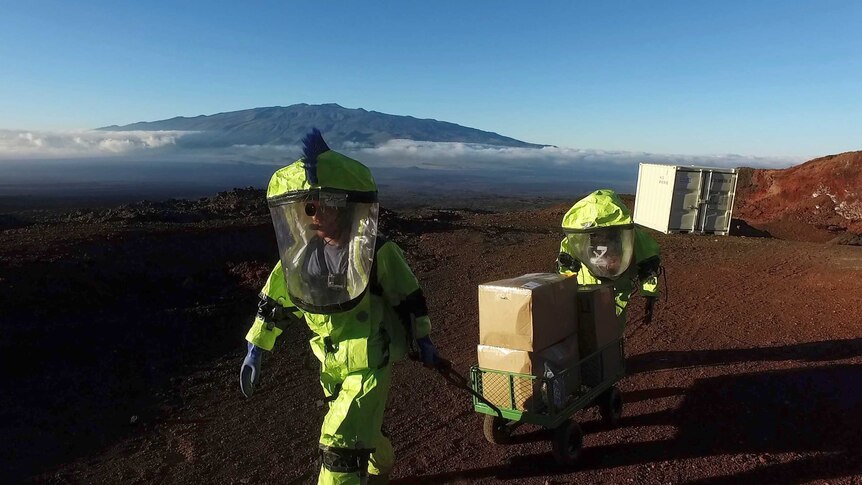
column 427, row 352
column 249, row 374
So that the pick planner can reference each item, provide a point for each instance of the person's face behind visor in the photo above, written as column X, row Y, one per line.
column 328, row 221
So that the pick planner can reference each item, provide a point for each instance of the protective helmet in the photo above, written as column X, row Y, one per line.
column 600, row 233
column 324, row 210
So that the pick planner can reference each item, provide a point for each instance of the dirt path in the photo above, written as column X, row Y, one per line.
column 750, row 373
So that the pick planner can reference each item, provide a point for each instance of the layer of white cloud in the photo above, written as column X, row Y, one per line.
column 454, row 155
column 19, row 144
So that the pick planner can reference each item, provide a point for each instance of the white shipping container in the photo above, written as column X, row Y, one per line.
column 672, row 198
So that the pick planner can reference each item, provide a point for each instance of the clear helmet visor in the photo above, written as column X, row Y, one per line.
column 607, row 251
column 326, row 245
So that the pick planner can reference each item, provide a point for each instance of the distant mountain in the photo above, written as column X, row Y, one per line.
column 279, row 125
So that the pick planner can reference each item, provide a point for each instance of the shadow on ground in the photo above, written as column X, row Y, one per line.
column 94, row 336
column 824, row 351
column 802, row 410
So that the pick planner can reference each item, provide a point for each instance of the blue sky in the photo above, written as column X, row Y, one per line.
column 754, row 78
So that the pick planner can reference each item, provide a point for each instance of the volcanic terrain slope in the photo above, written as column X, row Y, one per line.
column 122, row 340
column 819, row 200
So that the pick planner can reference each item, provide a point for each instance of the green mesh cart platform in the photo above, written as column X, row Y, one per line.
column 510, row 400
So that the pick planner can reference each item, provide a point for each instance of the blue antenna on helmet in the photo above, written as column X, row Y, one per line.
column 312, row 146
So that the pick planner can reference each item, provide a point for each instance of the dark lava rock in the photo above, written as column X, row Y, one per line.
column 848, row 239
column 738, row 227
column 11, row 222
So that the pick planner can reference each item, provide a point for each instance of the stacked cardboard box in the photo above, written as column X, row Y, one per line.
column 528, row 326
column 599, row 330
column 521, row 392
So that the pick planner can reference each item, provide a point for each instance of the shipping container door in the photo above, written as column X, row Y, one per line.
column 718, row 202
column 686, row 200
column 654, row 195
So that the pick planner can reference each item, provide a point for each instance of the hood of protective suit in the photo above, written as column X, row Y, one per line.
column 333, row 170
column 600, row 233
column 324, row 210
column 601, row 208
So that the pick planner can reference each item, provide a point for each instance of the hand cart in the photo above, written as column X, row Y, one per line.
column 509, row 400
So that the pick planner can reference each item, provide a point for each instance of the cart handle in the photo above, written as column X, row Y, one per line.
column 454, row 378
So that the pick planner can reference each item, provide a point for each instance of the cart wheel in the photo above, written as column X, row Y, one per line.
column 611, row 406
column 568, row 441
column 495, row 430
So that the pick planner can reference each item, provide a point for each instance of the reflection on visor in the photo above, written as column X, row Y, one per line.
column 328, row 199
column 324, row 201
column 602, row 259
column 600, row 251
column 598, row 257
column 606, row 252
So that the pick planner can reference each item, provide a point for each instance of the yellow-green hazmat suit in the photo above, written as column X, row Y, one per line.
column 604, row 210
column 359, row 330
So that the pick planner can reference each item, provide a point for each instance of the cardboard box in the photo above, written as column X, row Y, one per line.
column 549, row 365
column 599, row 326
column 530, row 312
column 558, row 356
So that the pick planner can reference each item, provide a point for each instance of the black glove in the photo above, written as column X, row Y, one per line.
column 649, row 305
column 565, row 262
column 649, row 268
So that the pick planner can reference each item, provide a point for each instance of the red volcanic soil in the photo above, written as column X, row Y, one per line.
column 122, row 340
column 815, row 201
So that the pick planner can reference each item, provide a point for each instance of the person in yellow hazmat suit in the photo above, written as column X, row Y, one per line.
column 355, row 291
column 602, row 245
